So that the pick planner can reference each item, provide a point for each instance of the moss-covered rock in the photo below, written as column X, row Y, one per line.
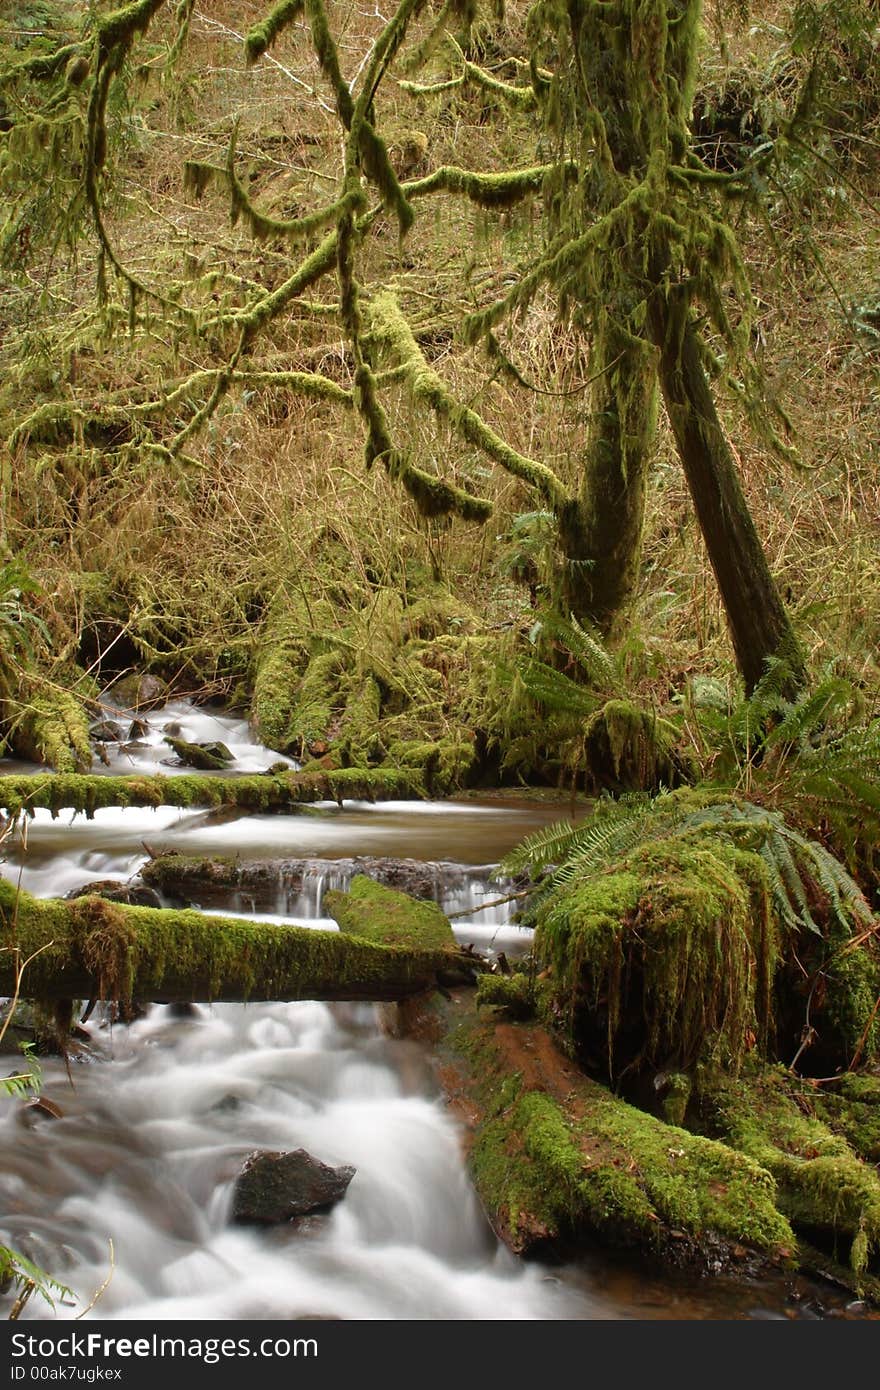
column 671, row 951
column 376, row 913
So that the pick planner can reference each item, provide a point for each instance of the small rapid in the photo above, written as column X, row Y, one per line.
column 121, row 1186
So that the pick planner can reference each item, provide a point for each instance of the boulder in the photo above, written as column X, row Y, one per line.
column 277, row 1187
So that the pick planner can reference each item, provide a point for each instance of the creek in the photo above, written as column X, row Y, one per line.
column 157, row 1117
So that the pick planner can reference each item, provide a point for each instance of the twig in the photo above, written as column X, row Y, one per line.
column 496, row 902
column 98, row 1292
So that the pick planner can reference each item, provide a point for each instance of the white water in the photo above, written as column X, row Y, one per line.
column 153, row 1132
column 158, row 1117
column 150, row 1142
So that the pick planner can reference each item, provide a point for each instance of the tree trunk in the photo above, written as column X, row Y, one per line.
column 759, row 625
column 256, row 792
column 91, row 948
column 600, row 530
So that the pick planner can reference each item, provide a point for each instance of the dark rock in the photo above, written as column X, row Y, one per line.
column 134, row 894
column 139, row 692
column 206, row 757
column 139, row 728
column 106, row 731
column 276, row 1187
column 173, row 728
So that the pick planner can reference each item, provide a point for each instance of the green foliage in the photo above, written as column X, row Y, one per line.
column 679, row 913
column 19, row 625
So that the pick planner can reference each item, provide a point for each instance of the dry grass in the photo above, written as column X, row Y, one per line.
column 186, row 560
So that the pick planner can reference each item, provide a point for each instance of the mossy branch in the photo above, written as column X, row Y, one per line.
column 261, row 36
column 487, row 190
column 389, row 329
column 283, row 791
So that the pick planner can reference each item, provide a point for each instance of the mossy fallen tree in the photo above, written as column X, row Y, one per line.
column 557, row 1158
column 91, row 948
column 281, row 791
column 823, row 1184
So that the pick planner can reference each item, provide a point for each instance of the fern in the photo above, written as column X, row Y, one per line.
column 799, row 869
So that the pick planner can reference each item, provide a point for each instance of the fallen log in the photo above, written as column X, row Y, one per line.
column 278, row 791
column 91, row 948
column 559, row 1161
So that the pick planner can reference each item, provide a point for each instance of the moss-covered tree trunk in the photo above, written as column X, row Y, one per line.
column 600, row 530
column 759, row 624
column 91, row 948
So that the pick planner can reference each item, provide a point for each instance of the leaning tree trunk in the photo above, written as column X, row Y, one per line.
column 758, row 622
column 600, row 530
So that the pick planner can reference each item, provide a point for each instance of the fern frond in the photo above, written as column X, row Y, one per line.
column 555, row 691
column 586, row 646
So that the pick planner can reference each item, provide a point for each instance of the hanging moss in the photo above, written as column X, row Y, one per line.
column 632, row 747
column 49, row 724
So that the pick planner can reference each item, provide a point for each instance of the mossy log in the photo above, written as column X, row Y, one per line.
column 824, row 1186
column 259, row 792
column 91, row 948
column 558, row 1158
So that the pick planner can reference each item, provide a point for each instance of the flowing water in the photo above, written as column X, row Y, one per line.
column 157, row 1118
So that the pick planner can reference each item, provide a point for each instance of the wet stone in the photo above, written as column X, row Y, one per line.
column 276, row 1187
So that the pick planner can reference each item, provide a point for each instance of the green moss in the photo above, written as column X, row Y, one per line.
column 823, row 1184
column 597, row 1165
column 675, row 949
column 376, row 913
column 261, row 36
column 631, row 746
column 48, row 721
column 155, row 954
column 513, row 995
column 259, row 792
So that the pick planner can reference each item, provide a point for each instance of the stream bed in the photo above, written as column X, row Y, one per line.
column 133, row 1178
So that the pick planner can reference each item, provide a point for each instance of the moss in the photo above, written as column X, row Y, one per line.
column 513, row 995
column 437, row 613
column 823, row 1184
column 376, row 913
column 48, row 721
column 156, row 954
column 675, row 950
column 261, row 36
column 677, row 1089
column 359, row 729
column 316, row 702
column 259, row 792
column 850, row 988
column 628, row 745
column 551, row 1169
